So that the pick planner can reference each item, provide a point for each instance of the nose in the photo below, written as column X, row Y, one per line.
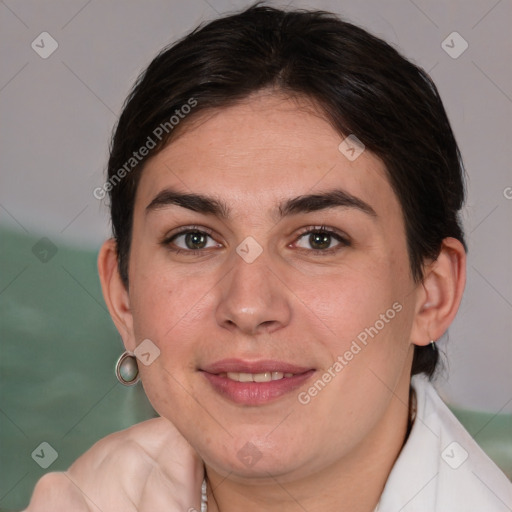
column 253, row 300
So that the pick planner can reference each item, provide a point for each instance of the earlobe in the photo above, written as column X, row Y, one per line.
column 440, row 293
column 115, row 293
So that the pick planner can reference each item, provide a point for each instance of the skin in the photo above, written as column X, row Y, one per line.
column 291, row 303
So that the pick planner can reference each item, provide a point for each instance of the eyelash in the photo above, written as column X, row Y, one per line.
column 167, row 241
column 342, row 239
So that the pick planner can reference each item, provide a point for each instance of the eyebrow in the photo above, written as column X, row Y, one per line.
column 324, row 200
column 301, row 204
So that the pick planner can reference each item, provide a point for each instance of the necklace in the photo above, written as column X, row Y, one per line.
column 204, row 499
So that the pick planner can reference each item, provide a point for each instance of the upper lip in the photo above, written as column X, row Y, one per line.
column 262, row 366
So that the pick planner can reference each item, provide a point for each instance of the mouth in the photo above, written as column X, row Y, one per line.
column 255, row 383
column 256, row 377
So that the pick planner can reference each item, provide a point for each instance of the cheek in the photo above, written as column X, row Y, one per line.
column 353, row 298
column 162, row 298
column 368, row 310
column 165, row 311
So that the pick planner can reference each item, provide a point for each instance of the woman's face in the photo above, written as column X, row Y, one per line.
column 293, row 267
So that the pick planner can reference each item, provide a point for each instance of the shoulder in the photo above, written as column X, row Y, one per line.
column 441, row 467
column 466, row 473
column 135, row 469
column 148, row 436
column 117, row 465
column 134, row 449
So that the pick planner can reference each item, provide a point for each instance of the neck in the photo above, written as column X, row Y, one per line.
column 355, row 482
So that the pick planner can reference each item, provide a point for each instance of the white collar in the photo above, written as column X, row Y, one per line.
column 441, row 468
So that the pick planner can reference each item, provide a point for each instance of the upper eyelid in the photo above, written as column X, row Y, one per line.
column 323, row 227
column 304, row 231
column 210, row 232
column 326, row 229
column 188, row 229
column 168, row 239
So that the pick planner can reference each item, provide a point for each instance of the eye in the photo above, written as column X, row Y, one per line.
column 191, row 240
column 321, row 239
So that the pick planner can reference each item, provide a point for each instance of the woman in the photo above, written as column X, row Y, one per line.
column 284, row 193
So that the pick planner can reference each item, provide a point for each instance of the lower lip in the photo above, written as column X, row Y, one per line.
column 256, row 393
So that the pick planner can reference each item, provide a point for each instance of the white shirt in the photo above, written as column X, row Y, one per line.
column 441, row 468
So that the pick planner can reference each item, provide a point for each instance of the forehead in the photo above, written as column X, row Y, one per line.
column 256, row 152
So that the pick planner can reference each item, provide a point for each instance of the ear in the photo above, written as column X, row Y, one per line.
column 115, row 293
column 440, row 293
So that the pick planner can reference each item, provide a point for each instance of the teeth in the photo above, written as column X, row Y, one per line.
column 261, row 377
column 256, row 377
column 245, row 377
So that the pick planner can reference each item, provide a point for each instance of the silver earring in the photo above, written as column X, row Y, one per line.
column 127, row 370
column 433, row 345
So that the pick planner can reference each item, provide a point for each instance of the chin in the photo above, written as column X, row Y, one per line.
column 255, row 458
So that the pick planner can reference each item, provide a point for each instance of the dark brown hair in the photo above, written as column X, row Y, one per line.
column 362, row 84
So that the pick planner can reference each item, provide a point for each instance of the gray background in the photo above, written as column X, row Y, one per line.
column 57, row 115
